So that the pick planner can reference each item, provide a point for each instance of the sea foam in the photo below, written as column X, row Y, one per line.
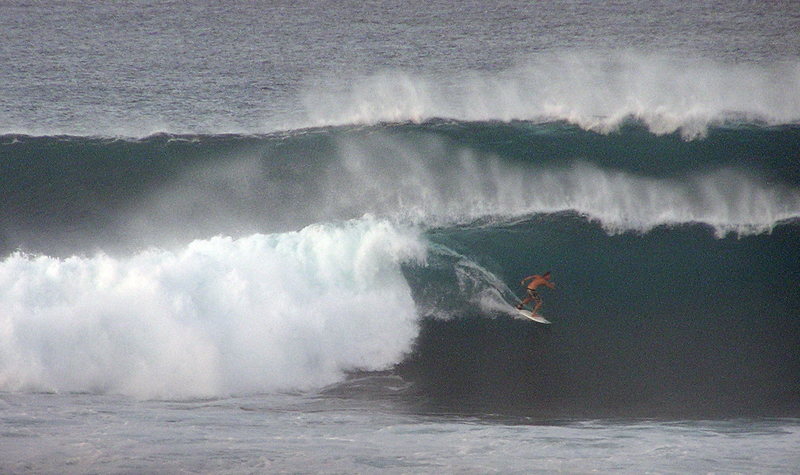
column 221, row 316
column 595, row 90
column 441, row 185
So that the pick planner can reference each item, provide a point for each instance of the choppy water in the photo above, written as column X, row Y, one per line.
column 78, row 433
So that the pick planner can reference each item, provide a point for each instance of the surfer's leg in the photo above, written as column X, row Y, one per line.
column 532, row 295
column 538, row 302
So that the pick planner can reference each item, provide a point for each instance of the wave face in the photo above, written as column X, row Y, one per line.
column 674, row 322
column 172, row 266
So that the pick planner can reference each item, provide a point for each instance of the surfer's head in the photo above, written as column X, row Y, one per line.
column 546, row 275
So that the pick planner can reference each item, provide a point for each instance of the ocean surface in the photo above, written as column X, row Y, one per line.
column 260, row 237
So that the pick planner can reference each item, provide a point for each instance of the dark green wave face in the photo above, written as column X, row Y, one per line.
column 677, row 262
column 671, row 323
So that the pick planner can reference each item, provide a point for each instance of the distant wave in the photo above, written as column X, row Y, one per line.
column 597, row 91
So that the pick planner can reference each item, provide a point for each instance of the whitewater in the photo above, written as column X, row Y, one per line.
column 596, row 90
column 219, row 317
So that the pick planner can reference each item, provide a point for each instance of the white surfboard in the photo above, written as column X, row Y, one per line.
column 533, row 316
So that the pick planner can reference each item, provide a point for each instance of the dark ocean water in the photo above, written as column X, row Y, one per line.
column 287, row 237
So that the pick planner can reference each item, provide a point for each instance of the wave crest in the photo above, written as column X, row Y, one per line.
column 597, row 91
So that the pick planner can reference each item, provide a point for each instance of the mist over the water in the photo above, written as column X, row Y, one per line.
column 125, row 195
column 595, row 90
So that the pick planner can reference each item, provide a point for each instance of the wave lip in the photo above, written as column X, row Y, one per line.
column 221, row 316
column 596, row 91
column 727, row 200
column 445, row 184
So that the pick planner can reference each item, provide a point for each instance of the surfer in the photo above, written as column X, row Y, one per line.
column 536, row 281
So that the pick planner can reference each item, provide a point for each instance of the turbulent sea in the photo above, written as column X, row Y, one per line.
column 266, row 237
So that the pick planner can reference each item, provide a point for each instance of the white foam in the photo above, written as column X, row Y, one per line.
column 441, row 185
column 430, row 181
column 221, row 316
column 597, row 91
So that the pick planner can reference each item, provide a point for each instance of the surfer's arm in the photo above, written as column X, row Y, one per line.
column 527, row 279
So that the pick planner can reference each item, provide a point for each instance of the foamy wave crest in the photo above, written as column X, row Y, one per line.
column 257, row 314
column 727, row 200
column 440, row 186
column 597, row 91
